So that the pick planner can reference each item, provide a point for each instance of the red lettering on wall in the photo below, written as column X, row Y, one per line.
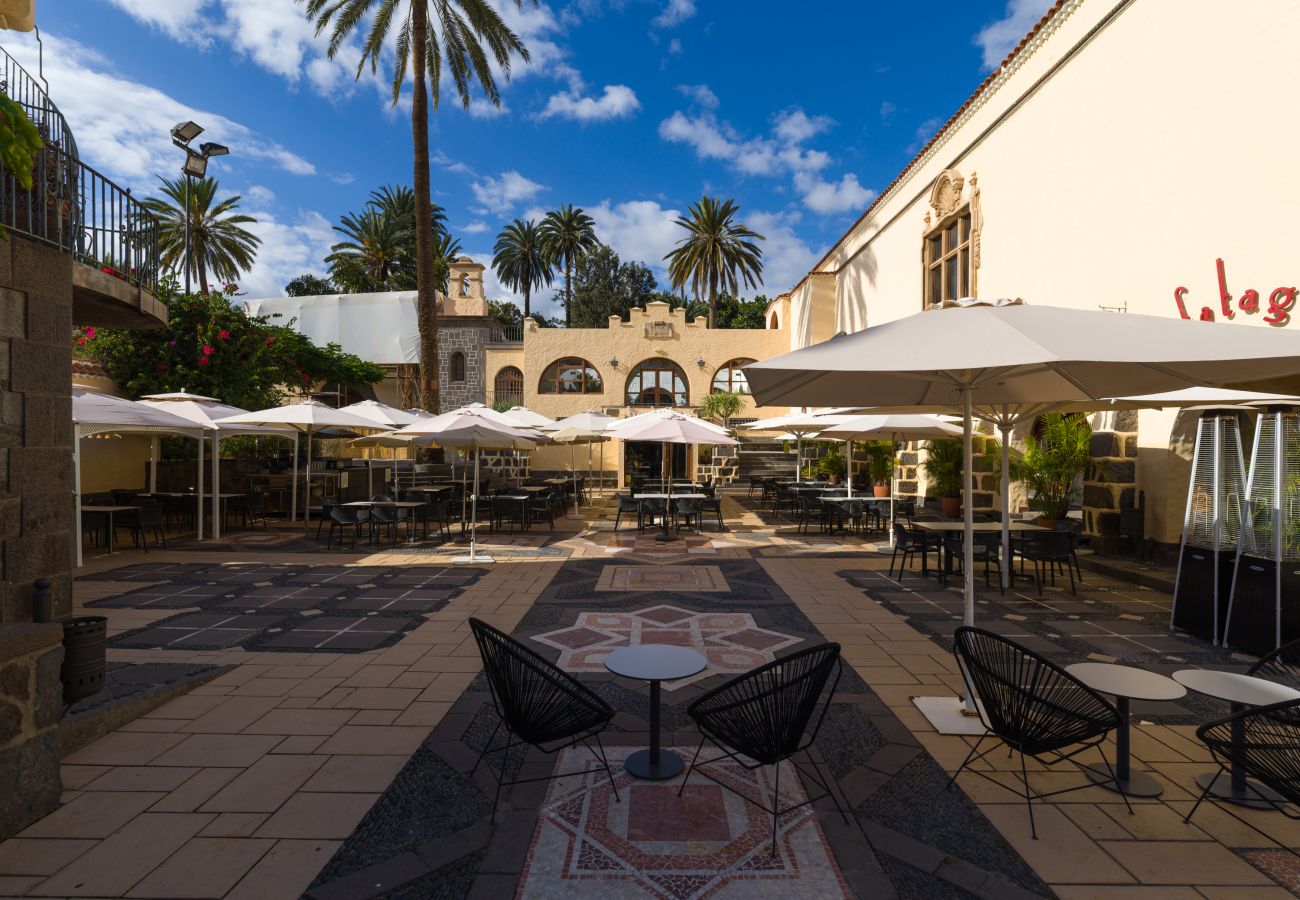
column 1249, row 302
column 1207, row 314
column 1225, row 299
column 1179, row 293
column 1280, row 303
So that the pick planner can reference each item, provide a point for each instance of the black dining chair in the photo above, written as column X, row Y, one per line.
column 1046, row 550
column 1264, row 743
column 712, row 506
column 539, row 705
column 987, row 549
column 1281, row 666
column 651, row 508
column 1033, row 707
column 541, row 508
column 626, row 505
column 146, row 518
column 909, row 543
column 767, row 716
column 686, row 509
column 341, row 518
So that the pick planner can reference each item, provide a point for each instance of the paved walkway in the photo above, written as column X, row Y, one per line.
column 307, row 765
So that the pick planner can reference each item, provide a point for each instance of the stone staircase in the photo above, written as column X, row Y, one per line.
column 760, row 458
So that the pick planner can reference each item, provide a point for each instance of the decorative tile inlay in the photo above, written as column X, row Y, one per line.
column 690, row 579
column 731, row 641
column 707, row 843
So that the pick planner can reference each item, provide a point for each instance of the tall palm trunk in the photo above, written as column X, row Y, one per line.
column 713, row 300
column 568, row 291
column 426, row 303
column 528, row 308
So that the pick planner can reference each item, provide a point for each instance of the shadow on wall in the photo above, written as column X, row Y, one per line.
column 1164, row 473
column 858, row 278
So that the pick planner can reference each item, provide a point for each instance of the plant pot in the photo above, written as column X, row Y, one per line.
column 880, row 490
column 1044, row 522
column 951, row 506
column 85, row 641
column 835, row 479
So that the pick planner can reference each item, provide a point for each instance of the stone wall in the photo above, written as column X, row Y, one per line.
column 31, row 704
column 468, row 337
column 35, row 425
column 1112, row 484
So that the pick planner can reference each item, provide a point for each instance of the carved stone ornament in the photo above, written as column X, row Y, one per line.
column 945, row 196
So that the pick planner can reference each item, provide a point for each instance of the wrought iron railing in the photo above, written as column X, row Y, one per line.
column 506, row 334
column 70, row 205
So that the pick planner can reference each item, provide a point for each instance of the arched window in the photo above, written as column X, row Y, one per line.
column 658, row 382
column 731, row 377
column 570, row 375
column 774, row 323
column 509, row 386
column 457, row 367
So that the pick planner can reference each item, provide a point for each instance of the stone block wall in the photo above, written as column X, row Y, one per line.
column 31, row 704
column 468, row 338
column 1104, row 495
column 912, row 482
column 36, row 502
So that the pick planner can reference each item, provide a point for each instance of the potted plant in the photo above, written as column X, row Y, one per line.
column 880, row 466
column 830, row 467
column 1053, row 462
column 943, row 467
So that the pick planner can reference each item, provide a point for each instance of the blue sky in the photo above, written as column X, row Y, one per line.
column 630, row 109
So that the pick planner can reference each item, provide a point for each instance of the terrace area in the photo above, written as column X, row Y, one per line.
column 332, row 707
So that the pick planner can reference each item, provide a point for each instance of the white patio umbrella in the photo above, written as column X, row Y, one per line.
column 384, row 416
column 470, row 430
column 522, row 415
column 892, row 428
column 801, row 425
column 573, row 435
column 103, row 414
column 574, row 427
column 306, row 417
column 205, row 412
column 1010, row 353
column 670, row 428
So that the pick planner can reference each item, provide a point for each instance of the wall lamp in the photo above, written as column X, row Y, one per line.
column 613, row 363
column 701, row 363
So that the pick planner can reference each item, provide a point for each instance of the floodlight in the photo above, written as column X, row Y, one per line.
column 196, row 164
column 213, row 149
column 187, row 131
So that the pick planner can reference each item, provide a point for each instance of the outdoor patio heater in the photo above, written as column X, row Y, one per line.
column 1264, row 604
column 1211, row 527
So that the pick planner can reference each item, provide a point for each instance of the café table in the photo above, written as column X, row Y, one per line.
column 391, row 504
column 655, row 663
column 656, row 495
column 944, row 527
column 1125, row 683
column 108, row 511
column 1240, row 691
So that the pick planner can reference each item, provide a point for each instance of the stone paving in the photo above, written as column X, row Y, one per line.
column 344, row 771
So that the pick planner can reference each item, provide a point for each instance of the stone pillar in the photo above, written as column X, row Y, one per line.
column 1104, row 495
column 31, row 704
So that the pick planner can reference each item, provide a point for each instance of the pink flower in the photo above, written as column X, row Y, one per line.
column 208, row 350
column 171, row 343
column 204, row 361
column 81, row 342
column 223, row 334
column 90, row 332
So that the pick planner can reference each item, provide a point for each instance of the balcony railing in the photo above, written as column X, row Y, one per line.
column 32, row 95
column 505, row 334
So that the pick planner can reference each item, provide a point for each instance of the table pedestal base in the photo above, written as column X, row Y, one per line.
column 1137, row 784
column 669, row 765
column 1251, row 794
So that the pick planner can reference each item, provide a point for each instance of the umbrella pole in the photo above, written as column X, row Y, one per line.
column 198, row 500
column 573, row 480
column 667, row 466
column 293, row 485
column 1006, row 504
column 798, row 457
column 153, row 465
column 306, row 506
column 474, row 557
column 216, row 486
column 76, row 492
column 893, row 484
column 848, row 464
column 589, row 472
column 968, row 527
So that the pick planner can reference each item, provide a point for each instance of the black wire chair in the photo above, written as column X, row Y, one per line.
column 910, row 543
column 762, row 718
column 1048, row 549
column 342, row 518
column 1264, row 743
column 1281, row 666
column 1032, row 706
column 626, row 504
column 539, row 704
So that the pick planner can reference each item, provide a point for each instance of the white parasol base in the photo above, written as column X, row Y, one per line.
column 948, row 715
column 472, row 559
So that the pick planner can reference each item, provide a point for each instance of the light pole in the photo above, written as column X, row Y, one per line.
column 195, row 166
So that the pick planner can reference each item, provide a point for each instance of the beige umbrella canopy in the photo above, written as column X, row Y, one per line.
column 801, row 425
column 892, row 428
column 971, row 353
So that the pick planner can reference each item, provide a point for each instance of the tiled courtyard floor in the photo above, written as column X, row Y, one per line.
column 334, row 756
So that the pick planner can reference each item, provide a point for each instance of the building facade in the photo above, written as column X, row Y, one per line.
column 1097, row 167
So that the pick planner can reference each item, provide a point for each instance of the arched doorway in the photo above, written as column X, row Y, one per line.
column 508, row 387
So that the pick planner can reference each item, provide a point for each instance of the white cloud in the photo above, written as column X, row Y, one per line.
column 924, row 132
column 675, row 13
column 999, row 38
column 288, row 249
column 482, row 108
column 503, row 193
column 473, row 228
column 833, row 197
column 700, row 93
column 617, row 102
column 177, row 18
column 674, row 47
column 796, row 126
column 887, row 110
column 122, row 126
column 260, row 194
column 638, row 230
column 786, row 257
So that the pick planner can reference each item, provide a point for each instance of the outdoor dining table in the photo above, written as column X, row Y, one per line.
column 1125, row 683
column 943, row 527
column 522, row 499
column 694, row 495
column 108, row 511
column 1240, row 691
column 655, row 663
column 391, row 504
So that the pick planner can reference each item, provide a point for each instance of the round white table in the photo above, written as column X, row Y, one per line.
column 655, row 663
column 1240, row 691
column 1125, row 683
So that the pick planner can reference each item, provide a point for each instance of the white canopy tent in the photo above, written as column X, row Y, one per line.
column 102, row 414
column 1014, row 354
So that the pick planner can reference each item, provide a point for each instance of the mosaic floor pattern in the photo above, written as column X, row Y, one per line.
column 663, row 578
column 731, row 641
column 707, row 843
column 281, row 607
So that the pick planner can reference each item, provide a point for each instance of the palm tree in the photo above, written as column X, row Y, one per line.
column 568, row 234
column 445, row 250
column 375, row 249
column 521, row 260
column 717, row 252
column 218, row 243
column 468, row 38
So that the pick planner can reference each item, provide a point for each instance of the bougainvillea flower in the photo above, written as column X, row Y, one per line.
column 208, row 350
column 224, row 334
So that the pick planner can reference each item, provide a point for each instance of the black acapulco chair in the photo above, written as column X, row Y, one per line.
column 539, row 705
column 762, row 718
column 1033, row 707
column 1281, row 666
column 1264, row 742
